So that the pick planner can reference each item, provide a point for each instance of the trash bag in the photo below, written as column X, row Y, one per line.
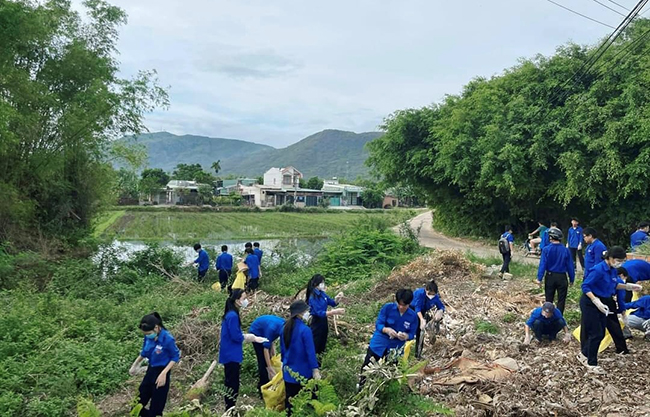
column 273, row 392
column 240, row 281
column 216, row 286
column 607, row 340
column 407, row 349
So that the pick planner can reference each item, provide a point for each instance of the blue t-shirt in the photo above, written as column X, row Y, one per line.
column 537, row 315
column 638, row 238
column 160, row 351
column 642, row 306
column 267, row 326
column 637, row 269
column 203, row 260
column 594, row 255
column 556, row 258
column 318, row 303
column 601, row 280
column 574, row 237
column 620, row 297
column 300, row 357
column 259, row 253
column 253, row 263
column 389, row 316
column 224, row 261
column 421, row 302
column 231, row 348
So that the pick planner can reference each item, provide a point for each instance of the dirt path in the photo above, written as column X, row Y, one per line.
column 432, row 239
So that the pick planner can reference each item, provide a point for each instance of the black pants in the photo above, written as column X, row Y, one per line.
column 592, row 329
column 550, row 329
column 149, row 392
column 369, row 356
column 556, row 283
column 224, row 274
column 291, row 390
column 253, row 284
column 507, row 257
column 614, row 327
column 628, row 296
column 201, row 275
column 261, row 365
column 231, row 381
column 319, row 330
column 581, row 258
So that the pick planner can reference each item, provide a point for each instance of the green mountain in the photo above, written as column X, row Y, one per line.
column 330, row 153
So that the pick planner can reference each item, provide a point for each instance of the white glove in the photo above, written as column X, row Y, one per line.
column 251, row 338
column 567, row 338
column 438, row 315
column 633, row 287
column 600, row 306
column 316, row 374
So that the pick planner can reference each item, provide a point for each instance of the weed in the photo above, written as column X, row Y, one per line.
column 484, row 326
column 509, row 318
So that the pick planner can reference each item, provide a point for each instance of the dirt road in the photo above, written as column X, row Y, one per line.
column 432, row 239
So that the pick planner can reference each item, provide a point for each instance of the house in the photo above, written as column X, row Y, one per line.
column 390, row 201
column 288, row 177
column 342, row 194
column 233, row 186
column 182, row 192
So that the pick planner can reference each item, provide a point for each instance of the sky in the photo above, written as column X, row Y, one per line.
column 274, row 72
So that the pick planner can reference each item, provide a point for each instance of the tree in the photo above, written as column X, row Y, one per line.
column 153, row 180
column 61, row 104
column 373, row 195
column 192, row 172
column 127, row 187
column 528, row 145
column 216, row 166
column 314, row 183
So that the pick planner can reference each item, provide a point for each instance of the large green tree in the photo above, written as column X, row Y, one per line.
column 534, row 143
column 152, row 181
column 61, row 104
column 192, row 172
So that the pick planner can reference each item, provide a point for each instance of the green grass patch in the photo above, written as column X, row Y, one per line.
column 106, row 220
column 509, row 317
column 518, row 270
column 484, row 326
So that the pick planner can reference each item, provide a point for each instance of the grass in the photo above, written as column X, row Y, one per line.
column 517, row 269
column 484, row 326
column 161, row 225
column 106, row 221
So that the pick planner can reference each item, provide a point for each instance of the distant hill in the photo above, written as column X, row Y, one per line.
column 330, row 153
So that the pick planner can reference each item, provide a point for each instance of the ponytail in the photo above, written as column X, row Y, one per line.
column 297, row 308
column 150, row 321
column 312, row 284
column 231, row 305
column 288, row 331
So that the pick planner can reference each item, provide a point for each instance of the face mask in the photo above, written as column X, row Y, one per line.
column 321, row 286
column 430, row 297
column 617, row 264
column 244, row 303
column 151, row 336
column 306, row 316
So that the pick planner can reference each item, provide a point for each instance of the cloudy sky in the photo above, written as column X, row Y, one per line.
column 276, row 71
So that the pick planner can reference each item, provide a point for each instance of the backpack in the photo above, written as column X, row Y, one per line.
column 504, row 245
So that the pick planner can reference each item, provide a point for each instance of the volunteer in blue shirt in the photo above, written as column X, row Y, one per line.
column 507, row 255
column 639, row 319
column 298, row 352
column 396, row 324
column 595, row 249
column 546, row 321
column 634, row 270
column 621, row 299
column 554, row 265
column 596, row 304
column 258, row 252
column 424, row 300
column 639, row 237
column 202, row 261
column 270, row 328
column 231, row 349
column 574, row 243
column 318, row 302
column 254, row 269
column 160, row 350
column 223, row 265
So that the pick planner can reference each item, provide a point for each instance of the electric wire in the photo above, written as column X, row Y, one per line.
column 580, row 14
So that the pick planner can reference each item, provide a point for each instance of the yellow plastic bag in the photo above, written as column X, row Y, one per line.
column 604, row 344
column 216, row 286
column 407, row 349
column 274, row 392
column 240, row 281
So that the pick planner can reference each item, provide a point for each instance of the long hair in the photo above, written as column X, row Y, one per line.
column 231, row 305
column 297, row 308
column 312, row 284
column 150, row 321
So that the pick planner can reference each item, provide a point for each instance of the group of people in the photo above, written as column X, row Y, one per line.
column 302, row 339
column 608, row 282
column 249, row 269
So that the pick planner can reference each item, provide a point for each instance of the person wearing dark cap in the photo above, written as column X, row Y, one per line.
column 554, row 266
column 595, row 249
column 298, row 351
column 574, row 243
column 231, row 349
column 546, row 321
column 639, row 237
column 597, row 305
column 396, row 324
column 160, row 350
column 202, row 261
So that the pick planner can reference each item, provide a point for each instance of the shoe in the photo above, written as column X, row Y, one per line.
column 624, row 352
column 582, row 359
column 596, row 370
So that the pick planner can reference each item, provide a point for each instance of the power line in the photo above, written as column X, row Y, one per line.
column 580, row 14
column 619, row 5
column 609, row 8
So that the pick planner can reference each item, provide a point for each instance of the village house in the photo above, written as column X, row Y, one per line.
column 281, row 186
column 342, row 195
column 181, row 192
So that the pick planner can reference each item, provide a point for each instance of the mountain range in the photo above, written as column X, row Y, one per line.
column 326, row 154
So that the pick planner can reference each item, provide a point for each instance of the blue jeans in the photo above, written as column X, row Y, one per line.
column 548, row 328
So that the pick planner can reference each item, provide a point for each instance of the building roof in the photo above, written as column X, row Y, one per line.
column 174, row 184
